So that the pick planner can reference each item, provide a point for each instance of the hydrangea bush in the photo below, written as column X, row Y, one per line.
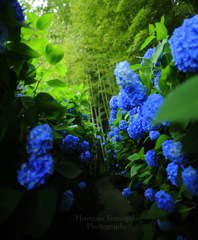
column 46, row 138
column 157, row 154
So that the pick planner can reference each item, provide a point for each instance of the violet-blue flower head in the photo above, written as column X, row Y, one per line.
column 184, row 45
column 150, row 194
column 85, row 156
column 190, row 180
column 127, row 193
column 165, row 225
column 172, row 172
column 83, row 146
column 151, row 158
column 165, row 201
column 67, row 202
column 39, row 140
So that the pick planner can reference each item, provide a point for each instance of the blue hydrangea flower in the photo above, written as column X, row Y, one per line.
column 113, row 113
column 172, row 173
column 69, row 110
column 70, row 142
column 111, row 134
column 173, row 152
column 165, row 201
column 85, row 116
column 165, row 225
column 39, row 140
column 3, row 33
column 118, row 138
column 85, row 156
column 114, row 156
column 82, row 185
column 137, row 185
column 151, row 107
column 67, row 202
column 127, row 193
column 35, row 171
column 116, row 131
column 180, row 237
column 116, row 165
column 103, row 144
column 151, row 158
column 124, row 74
column 133, row 111
column 98, row 137
column 111, row 120
column 123, row 173
column 155, row 80
column 190, row 180
column 124, row 100
column 114, row 102
column 136, row 127
column 122, row 125
column 184, row 45
column 62, row 132
column 154, row 135
column 105, row 159
column 83, row 146
column 18, row 11
column 150, row 194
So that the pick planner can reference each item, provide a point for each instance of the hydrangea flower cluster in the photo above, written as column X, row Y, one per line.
column 113, row 113
column 83, row 146
column 67, row 202
column 40, row 164
column 151, row 158
column 184, row 45
column 82, row 185
column 18, row 11
column 136, row 127
column 173, row 152
column 148, row 55
column 165, row 225
column 123, row 173
column 124, row 100
column 150, row 109
column 85, row 156
column 39, row 140
column 165, row 201
column 122, row 125
column 154, row 135
column 180, row 237
column 137, row 185
column 3, row 37
column 84, row 115
column 172, row 172
column 69, row 143
column 150, row 194
column 114, row 103
column 127, row 193
column 124, row 74
column 190, row 180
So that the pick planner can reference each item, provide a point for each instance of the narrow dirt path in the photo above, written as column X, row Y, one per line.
column 114, row 221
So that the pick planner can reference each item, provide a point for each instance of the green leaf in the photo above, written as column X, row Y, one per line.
column 135, row 67
column 44, row 21
column 155, row 213
column 60, row 69
column 119, row 114
column 147, row 41
column 158, row 50
column 148, row 236
column 68, row 169
column 160, row 140
column 134, row 157
column 147, row 179
column 85, row 103
column 56, row 83
column 55, row 56
column 50, row 106
column 181, row 104
column 9, row 199
column 134, row 169
column 151, row 29
column 22, row 49
column 32, row 18
column 161, row 30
